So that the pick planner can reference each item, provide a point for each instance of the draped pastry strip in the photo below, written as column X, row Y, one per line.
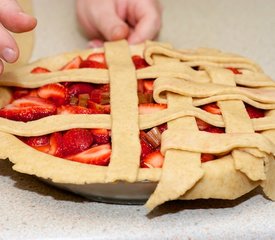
column 185, row 81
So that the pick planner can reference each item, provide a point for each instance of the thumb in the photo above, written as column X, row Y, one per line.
column 12, row 17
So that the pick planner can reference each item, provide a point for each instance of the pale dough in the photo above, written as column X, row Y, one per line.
column 246, row 157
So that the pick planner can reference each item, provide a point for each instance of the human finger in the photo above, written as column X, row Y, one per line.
column 13, row 18
column 8, row 48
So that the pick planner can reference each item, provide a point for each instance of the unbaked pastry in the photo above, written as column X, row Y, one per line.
column 219, row 108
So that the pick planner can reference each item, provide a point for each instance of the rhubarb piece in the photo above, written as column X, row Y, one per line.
column 99, row 96
column 147, row 108
column 73, row 101
column 139, row 62
column 146, row 147
column 55, row 92
column 28, row 109
column 40, row 70
column 73, row 64
column 154, row 137
column 100, row 135
column 98, row 155
column 98, row 108
column 76, row 141
column 83, row 99
column 153, row 160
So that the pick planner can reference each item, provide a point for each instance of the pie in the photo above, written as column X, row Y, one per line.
column 200, row 123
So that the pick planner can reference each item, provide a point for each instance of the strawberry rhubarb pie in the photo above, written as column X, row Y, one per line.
column 197, row 123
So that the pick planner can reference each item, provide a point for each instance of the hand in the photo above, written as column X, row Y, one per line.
column 135, row 20
column 13, row 19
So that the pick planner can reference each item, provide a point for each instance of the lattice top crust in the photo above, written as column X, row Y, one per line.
column 185, row 80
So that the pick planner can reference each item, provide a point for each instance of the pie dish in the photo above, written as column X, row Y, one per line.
column 194, row 123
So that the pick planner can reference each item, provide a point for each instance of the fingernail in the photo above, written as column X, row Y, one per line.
column 9, row 55
column 25, row 15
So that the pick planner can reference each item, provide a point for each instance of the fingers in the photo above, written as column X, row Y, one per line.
column 147, row 23
column 12, row 17
column 8, row 47
column 1, row 67
column 135, row 20
column 101, row 20
column 108, row 23
column 146, row 28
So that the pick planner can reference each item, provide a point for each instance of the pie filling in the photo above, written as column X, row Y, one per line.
column 93, row 146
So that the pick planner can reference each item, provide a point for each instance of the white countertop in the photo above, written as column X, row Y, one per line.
column 30, row 209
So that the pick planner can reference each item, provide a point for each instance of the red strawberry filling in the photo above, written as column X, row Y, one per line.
column 81, row 145
column 93, row 146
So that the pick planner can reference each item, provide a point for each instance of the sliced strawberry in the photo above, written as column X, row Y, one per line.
column 212, row 108
column 28, row 109
column 80, row 88
column 40, row 143
column 234, row 70
column 205, row 157
column 153, row 160
column 99, row 96
column 101, row 109
column 213, row 129
column 20, row 92
column 23, row 92
column 148, row 85
column 101, row 135
column 254, row 112
column 146, row 147
column 68, row 109
column 147, row 108
column 97, row 57
column 56, row 144
column 33, row 93
column 55, row 92
column 139, row 62
column 92, row 64
column 104, row 87
column 45, row 148
column 40, row 70
column 98, row 155
column 73, row 64
column 202, row 125
column 76, row 141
